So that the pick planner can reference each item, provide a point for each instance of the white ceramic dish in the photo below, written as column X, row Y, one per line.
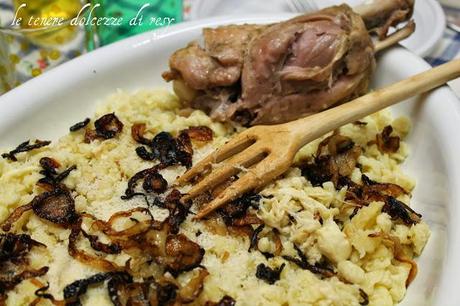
column 46, row 106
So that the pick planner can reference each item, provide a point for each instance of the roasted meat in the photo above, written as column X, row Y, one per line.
column 265, row 74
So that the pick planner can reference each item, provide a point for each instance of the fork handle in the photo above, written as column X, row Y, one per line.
column 310, row 128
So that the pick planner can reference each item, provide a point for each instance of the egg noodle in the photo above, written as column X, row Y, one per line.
column 320, row 221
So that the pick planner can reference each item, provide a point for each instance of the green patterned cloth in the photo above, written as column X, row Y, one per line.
column 157, row 14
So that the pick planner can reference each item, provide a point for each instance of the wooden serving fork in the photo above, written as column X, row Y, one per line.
column 263, row 153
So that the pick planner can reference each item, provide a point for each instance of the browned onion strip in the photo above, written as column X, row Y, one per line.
column 97, row 245
column 12, row 281
column 385, row 142
column 302, row 262
column 25, row 147
column 14, row 261
column 79, row 125
column 138, row 131
column 336, row 157
column 185, row 149
column 400, row 211
column 134, row 180
column 385, row 188
column 247, row 219
column 278, row 244
column 394, row 243
column 14, row 216
column 255, row 237
column 364, row 296
column 199, row 133
column 52, row 179
column 370, row 191
column 138, row 228
column 42, row 294
column 92, row 261
column 194, row 287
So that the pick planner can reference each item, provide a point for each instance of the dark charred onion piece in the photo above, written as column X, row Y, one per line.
column 225, row 301
column 108, row 126
column 14, row 247
column 268, row 274
column 303, row 264
column 25, row 147
column 73, row 291
column 398, row 210
column 8, row 282
column 185, row 254
column 171, row 151
column 193, row 288
column 336, row 156
column 154, row 182
column 319, row 171
column 387, row 143
column 255, row 237
column 52, row 179
column 143, row 153
column 49, row 166
column 150, row 292
column 79, row 125
column 364, row 296
column 13, row 261
column 137, row 132
column 165, row 148
column 362, row 195
column 200, row 133
column 238, row 208
column 184, row 150
column 133, row 181
column 370, row 191
column 56, row 206
column 177, row 211
column 61, row 176
column 15, row 215
column 42, row 294
column 385, row 188
column 166, row 293
column 128, row 293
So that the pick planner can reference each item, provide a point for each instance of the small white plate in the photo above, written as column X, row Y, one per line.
column 429, row 18
column 46, row 106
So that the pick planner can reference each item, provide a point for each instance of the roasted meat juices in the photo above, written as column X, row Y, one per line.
column 266, row 74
